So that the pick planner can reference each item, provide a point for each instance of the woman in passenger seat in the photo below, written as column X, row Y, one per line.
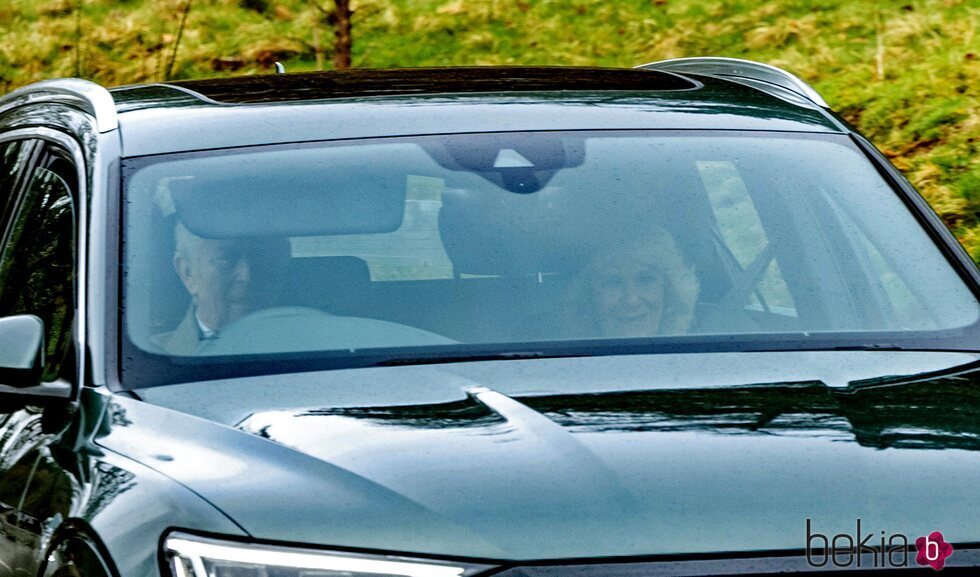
column 633, row 288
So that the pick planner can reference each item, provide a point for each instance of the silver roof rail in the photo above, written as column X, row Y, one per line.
column 746, row 71
column 83, row 94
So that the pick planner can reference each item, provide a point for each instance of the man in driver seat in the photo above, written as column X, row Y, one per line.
column 227, row 279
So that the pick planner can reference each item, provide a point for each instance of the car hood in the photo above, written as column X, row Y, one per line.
column 576, row 458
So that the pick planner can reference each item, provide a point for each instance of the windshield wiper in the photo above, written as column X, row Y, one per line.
column 872, row 347
column 505, row 356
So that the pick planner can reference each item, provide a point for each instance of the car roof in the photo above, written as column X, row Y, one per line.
column 266, row 109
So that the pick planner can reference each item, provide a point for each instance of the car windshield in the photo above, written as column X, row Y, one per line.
column 433, row 248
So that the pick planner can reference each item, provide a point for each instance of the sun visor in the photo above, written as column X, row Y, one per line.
column 239, row 199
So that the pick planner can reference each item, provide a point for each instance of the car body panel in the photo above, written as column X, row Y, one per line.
column 637, row 456
column 120, row 501
column 717, row 106
column 298, row 493
column 138, row 502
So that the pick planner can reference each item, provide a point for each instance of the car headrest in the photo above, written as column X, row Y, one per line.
column 501, row 233
column 335, row 283
column 329, row 271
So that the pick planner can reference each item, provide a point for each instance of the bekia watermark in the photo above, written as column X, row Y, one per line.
column 891, row 550
column 933, row 550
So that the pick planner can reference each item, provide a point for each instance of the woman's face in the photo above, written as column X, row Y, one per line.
column 628, row 296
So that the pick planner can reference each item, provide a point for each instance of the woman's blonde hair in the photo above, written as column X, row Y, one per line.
column 657, row 249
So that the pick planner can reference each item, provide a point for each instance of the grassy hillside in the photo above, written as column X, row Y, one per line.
column 907, row 73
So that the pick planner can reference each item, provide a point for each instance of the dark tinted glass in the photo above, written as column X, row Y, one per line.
column 37, row 262
column 13, row 155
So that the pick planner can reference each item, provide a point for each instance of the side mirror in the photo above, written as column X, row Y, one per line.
column 21, row 351
column 22, row 362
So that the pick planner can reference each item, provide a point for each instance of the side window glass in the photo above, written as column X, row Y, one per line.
column 37, row 266
column 743, row 234
column 13, row 157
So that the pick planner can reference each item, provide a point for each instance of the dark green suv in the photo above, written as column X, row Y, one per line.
column 529, row 322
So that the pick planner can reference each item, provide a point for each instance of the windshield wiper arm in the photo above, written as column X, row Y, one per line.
column 436, row 360
column 872, row 347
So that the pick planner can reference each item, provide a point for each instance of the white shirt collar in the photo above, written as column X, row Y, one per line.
column 206, row 332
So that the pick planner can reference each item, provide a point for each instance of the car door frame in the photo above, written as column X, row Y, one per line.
column 43, row 139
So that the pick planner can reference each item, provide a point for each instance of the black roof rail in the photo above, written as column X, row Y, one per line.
column 755, row 74
column 366, row 82
column 83, row 94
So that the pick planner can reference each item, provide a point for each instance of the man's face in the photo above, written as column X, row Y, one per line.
column 231, row 278
column 628, row 296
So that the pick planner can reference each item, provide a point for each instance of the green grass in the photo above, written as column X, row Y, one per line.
column 906, row 73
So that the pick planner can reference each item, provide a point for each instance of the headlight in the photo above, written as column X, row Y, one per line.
column 193, row 556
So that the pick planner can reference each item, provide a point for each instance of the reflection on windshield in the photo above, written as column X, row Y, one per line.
column 933, row 413
column 520, row 238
